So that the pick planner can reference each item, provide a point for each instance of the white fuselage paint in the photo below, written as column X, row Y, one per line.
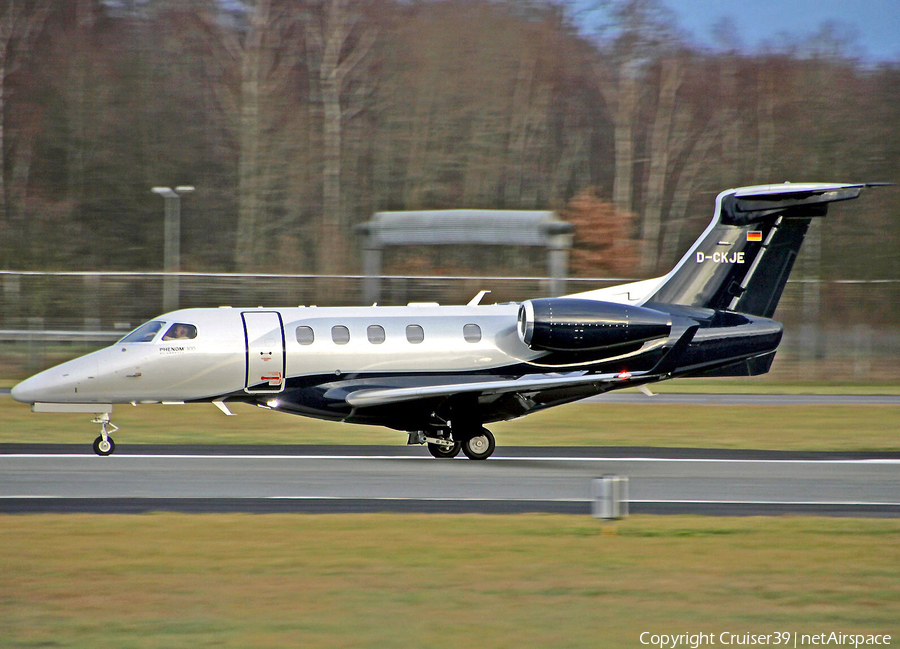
column 215, row 362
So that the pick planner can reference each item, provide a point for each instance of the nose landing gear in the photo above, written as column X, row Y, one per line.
column 104, row 444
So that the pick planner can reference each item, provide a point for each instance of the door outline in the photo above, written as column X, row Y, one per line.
column 276, row 326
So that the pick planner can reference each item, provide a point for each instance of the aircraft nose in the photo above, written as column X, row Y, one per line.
column 27, row 391
column 63, row 383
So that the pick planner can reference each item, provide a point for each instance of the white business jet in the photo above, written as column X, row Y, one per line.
column 440, row 373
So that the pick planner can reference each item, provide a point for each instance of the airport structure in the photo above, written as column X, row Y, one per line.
column 465, row 228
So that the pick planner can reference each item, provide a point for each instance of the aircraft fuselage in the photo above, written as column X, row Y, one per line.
column 442, row 372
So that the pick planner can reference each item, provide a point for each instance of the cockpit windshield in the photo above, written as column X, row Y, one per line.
column 145, row 333
column 181, row 331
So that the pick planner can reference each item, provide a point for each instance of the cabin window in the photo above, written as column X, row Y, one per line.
column 340, row 335
column 472, row 333
column 305, row 335
column 181, row 331
column 375, row 334
column 415, row 334
column 145, row 333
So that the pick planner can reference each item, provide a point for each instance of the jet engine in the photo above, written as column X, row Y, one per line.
column 572, row 324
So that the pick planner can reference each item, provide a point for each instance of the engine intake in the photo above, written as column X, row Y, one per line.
column 571, row 324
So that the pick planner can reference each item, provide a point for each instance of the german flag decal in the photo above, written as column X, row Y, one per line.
column 754, row 235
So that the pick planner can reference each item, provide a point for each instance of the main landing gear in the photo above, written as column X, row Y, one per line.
column 104, row 444
column 444, row 452
column 477, row 445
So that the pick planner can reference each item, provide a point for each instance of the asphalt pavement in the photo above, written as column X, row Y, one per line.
column 38, row 478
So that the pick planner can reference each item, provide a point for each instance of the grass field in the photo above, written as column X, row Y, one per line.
column 169, row 580
column 379, row 580
column 582, row 424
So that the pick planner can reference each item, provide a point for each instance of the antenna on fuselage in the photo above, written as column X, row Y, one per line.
column 477, row 299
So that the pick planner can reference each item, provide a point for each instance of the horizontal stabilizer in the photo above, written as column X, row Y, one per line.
column 752, row 204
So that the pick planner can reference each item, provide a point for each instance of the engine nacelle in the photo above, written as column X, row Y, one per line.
column 572, row 324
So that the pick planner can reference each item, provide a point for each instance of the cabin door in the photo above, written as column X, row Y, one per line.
column 264, row 333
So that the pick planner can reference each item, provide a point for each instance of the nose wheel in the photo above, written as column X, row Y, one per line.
column 104, row 444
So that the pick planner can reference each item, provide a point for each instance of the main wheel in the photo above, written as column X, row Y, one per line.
column 444, row 452
column 104, row 448
column 480, row 446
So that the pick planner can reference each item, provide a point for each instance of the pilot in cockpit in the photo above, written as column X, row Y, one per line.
column 181, row 331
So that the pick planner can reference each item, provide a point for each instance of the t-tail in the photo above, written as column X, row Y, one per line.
column 730, row 281
column 743, row 259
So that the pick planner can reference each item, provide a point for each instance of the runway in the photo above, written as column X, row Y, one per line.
column 64, row 478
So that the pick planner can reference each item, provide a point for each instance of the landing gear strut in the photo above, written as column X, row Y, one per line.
column 444, row 452
column 477, row 443
column 104, row 444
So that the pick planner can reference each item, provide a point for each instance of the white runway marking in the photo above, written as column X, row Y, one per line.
column 120, row 457
column 645, row 501
column 825, row 503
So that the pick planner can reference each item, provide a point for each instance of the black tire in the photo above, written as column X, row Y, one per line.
column 444, row 453
column 479, row 446
column 99, row 446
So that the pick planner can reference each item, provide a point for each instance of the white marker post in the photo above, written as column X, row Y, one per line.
column 609, row 497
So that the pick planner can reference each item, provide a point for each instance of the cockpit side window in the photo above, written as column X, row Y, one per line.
column 181, row 331
column 145, row 333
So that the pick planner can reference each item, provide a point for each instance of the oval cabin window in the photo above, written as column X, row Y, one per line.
column 375, row 334
column 305, row 335
column 472, row 333
column 415, row 334
column 340, row 335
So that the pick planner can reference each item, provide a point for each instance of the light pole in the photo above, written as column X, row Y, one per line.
column 172, row 244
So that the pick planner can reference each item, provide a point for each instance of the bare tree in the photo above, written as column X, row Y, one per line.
column 685, row 187
column 254, row 66
column 530, row 115
column 20, row 24
column 338, row 40
column 638, row 32
column 671, row 77
column 622, row 99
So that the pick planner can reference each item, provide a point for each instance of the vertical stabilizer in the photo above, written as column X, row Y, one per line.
column 743, row 259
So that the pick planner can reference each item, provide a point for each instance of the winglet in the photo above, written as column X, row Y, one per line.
column 475, row 301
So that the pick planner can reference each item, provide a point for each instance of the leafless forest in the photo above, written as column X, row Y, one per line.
column 297, row 120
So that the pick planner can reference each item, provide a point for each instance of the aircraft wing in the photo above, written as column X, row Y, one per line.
column 365, row 396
